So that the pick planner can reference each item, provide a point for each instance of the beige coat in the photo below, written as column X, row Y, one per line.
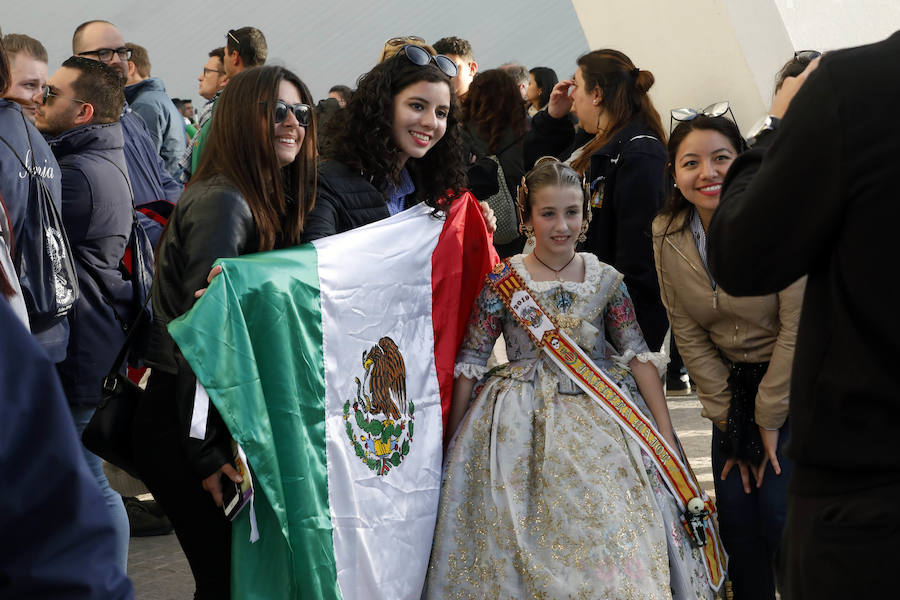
column 710, row 325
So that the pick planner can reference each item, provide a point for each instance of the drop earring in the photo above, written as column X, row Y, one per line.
column 528, row 231
column 582, row 237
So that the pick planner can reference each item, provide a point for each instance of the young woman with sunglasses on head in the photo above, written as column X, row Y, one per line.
column 620, row 149
column 544, row 494
column 252, row 192
column 397, row 143
column 738, row 351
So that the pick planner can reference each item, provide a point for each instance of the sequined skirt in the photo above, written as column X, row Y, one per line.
column 544, row 496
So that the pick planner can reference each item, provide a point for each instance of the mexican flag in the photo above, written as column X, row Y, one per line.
column 332, row 365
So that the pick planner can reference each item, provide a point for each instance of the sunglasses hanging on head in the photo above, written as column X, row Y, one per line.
column 717, row 109
column 806, row 55
column 421, row 56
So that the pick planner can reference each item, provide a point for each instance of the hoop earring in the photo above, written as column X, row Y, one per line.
column 582, row 237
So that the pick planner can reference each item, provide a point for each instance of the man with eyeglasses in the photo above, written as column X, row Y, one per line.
column 80, row 119
column 244, row 48
column 155, row 191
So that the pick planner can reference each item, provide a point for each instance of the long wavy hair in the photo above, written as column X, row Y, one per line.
column 676, row 204
column 624, row 89
column 6, row 288
column 494, row 106
column 361, row 135
column 243, row 151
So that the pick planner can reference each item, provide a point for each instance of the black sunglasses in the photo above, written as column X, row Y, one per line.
column 106, row 54
column 301, row 112
column 717, row 109
column 806, row 55
column 46, row 92
column 421, row 56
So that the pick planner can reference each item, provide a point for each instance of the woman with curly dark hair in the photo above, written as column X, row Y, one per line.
column 397, row 143
column 494, row 127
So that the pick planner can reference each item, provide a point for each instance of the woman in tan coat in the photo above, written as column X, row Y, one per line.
column 738, row 351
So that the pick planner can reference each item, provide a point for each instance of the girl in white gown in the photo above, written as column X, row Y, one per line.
column 544, row 495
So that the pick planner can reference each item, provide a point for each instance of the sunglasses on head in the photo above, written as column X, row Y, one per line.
column 717, row 109
column 806, row 55
column 421, row 56
column 301, row 112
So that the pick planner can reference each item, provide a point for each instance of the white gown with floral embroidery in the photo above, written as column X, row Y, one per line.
column 544, row 495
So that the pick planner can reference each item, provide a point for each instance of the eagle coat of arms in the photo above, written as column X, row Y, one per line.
column 380, row 420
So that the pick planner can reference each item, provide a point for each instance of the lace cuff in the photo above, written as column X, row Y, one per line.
column 657, row 359
column 470, row 370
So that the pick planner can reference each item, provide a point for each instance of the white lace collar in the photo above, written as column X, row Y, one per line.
column 594, row 272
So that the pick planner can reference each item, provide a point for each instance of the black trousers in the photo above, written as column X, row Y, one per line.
column 841, row 546
column 202, row 529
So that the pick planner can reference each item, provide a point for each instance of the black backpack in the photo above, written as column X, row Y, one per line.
column 42, row 256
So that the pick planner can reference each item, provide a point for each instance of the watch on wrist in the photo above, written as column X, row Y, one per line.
column 762, row 128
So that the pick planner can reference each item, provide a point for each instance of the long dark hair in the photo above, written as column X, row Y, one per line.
column 676, row 204
column 545, row 78
column 361, row 135
column 493, row 105
column 6, row 288
column 624, row 89
column 244, row 152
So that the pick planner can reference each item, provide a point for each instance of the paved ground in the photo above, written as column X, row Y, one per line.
column 159, row 570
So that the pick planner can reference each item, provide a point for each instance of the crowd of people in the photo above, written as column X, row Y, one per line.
column 753, row 255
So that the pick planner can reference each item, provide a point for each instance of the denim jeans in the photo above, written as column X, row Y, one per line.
column 81, row 415
column 751, row 524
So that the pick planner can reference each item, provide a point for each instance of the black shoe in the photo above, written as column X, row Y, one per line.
column 675, row 386
column 146, row 518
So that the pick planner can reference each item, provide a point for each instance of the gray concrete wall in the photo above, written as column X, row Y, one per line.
column 326, row 42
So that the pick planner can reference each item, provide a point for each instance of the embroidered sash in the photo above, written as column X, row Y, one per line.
column 573, row 361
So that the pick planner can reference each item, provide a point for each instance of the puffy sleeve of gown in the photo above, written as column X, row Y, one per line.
column 624, row 334
column 485, row 326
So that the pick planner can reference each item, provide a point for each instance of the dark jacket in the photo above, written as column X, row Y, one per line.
column 211, row 221
column 345, row 200
column 819, row 196
column 627, row 178
column 155, row 192
column 14, row 183
column 97, row 213
column 148, row 98
column 59, row 540
column 510, row 158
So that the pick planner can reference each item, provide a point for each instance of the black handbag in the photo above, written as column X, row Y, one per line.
column 43, row 259
column 109, row 432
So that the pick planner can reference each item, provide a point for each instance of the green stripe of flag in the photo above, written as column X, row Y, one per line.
column 270, row 387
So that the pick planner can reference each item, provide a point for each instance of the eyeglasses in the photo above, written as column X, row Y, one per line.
column 106, row 54
column 301, row 112
column 208, row 71
column 46, row 92
column 806, row 55
column 234, row 38
column 716, row 109
column 421, row 56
